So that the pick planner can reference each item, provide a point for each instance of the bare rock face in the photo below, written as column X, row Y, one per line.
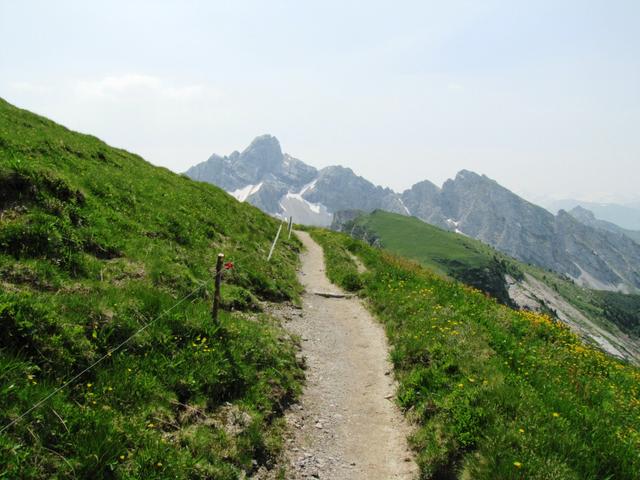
column 262, row 158
column 343, row 219
column 489, row 212
column 479, row 207
column 282, row 185
column 340, row 188
column 606, row 260
column 594, row 253
column 587, row 217
column 423, row 201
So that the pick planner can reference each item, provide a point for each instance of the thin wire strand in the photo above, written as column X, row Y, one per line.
column 108, row 354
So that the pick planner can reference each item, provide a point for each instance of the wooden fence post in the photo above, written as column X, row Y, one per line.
column 275, row 240
column 290, row 227
column 216, row 294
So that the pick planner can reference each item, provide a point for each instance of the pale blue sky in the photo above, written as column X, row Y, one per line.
column 543, row 96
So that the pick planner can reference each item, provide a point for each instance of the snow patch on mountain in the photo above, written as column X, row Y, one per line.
column 404, row 206
column 241, row 194
column 454, row 225
column 303, row 211
column 314, row 207
column 307, row 187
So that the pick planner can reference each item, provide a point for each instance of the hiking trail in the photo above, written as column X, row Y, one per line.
column 346, row 425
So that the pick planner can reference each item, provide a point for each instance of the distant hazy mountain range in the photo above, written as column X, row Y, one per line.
column 589, row 218
column 594, row 253
column 625, row 216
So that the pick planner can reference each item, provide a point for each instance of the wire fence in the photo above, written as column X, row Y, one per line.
column 124, row 343
column 98, row 361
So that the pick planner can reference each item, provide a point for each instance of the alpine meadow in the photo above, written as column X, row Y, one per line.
column 319, row 240
column 96, row 244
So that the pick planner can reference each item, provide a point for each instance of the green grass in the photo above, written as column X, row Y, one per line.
column 431, row 246
column 447, row 253
column 623, row 310
column 480, row 266
column 94, row 244
column 495, row 393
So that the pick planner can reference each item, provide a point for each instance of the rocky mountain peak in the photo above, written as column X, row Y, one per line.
column 588, row 217
column 464, row 179
column 582, row 214
column 564, row 216
column 334, row 170
column 468, row 175
column 264, row 153
column 424, row 186
column 573, row 243
column 469, row 178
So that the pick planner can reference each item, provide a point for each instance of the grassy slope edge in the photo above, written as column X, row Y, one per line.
column 94, row 244
column 448, row 253
column 483, row 267
column 496, row 393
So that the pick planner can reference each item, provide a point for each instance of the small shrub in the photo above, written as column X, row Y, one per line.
column 351, row 282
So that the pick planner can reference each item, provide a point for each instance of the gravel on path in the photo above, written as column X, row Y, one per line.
column 346, row 425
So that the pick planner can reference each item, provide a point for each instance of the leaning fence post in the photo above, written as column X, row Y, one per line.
column 290, row 227
column 216, row 294
column 275, row 240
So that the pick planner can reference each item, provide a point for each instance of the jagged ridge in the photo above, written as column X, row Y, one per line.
column 469, row 204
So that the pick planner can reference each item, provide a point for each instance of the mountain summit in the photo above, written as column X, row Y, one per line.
column 284, row 186
column 589, row 218
column 470, row 204
column 479, row 207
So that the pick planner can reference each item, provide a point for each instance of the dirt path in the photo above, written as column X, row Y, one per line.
column 346, row 425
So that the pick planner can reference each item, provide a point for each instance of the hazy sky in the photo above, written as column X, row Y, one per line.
column 543, row 96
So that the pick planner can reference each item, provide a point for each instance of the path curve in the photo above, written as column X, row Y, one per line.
column 346, row 425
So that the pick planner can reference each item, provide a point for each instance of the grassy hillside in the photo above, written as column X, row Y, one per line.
column 95, row 243
column 495, row 393
column 448, row 253
column 623, row 310
column 429, row 245
column 482, row 267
